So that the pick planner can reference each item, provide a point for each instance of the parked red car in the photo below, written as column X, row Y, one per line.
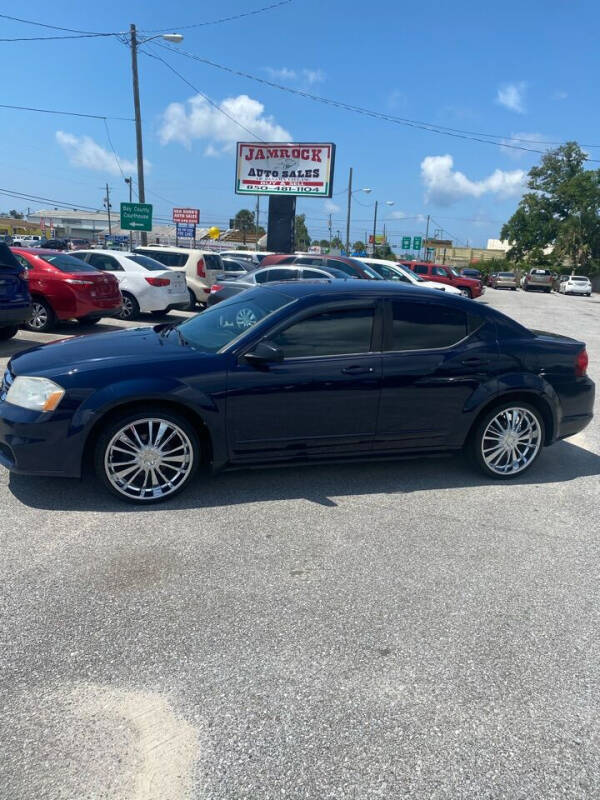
column 64, row 287
column 351, row 266
column 470, row 287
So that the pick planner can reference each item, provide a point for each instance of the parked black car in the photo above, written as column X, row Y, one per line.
column 55, row 244
column 293, row 372
column 15, row 300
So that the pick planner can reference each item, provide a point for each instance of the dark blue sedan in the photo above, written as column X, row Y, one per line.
column 290, row 373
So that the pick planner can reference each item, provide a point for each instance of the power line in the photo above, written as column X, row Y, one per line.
column 223, row 19
column 426, row 126
column 206, row 97
column 65, row 113
column 53, row 38
column 52, row 27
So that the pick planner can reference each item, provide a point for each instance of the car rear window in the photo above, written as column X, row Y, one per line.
column 66, row 263
column 540, row 272
column 506, row 274
column 147, row 263
column 213, row 261
column 165, row 257
column 579, row 278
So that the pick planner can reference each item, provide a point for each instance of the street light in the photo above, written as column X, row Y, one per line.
column 366, row 190
column 174, row 38
column 388, row 203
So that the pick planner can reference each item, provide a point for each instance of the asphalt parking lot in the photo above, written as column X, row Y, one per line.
column 394, row 630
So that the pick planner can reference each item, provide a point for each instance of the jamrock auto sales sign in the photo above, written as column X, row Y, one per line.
column 302, row 168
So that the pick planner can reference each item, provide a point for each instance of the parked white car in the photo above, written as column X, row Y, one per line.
column 147, row 285
column 390, row 270
column 576, row 284
column 201, row 268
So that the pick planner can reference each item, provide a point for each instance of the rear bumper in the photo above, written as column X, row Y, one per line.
column 577, row 407
column 113, row 312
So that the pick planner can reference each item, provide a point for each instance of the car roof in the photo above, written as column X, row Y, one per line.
column 38, row 251
column 169, row 249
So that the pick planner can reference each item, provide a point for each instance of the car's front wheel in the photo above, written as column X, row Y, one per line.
column 466, row 293
column 130, row 308
column 507, row 439
column 147, row 455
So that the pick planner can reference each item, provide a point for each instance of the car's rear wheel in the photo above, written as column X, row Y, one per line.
column 42, row 317
column 193, row 301
column 130, row 308
column 507, row 440
column 466, row 292
column 147, row 455
column 8, row 332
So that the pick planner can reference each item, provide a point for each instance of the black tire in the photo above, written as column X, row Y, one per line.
column 513, row 288
column 8, row 332
column 131, row 308
column 93, row 321
column 193, row 301
column 191, row 449
column 42, row 317
column 476, row 439
column 158, row 314
column 466, row 292
column 547, row 291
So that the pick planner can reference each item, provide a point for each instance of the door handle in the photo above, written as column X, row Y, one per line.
column 356, row 369
column 474, row 361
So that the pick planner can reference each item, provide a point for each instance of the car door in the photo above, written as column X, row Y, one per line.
column 322, row 399
column 435, row 357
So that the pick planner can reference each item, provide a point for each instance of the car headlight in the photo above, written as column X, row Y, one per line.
column 37, row 394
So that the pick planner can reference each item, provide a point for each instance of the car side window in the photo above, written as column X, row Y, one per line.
column 390, row 274
column 439, row 271
column 330, row 333
column 420, row 269
column 425, row 326
column 313, row 273
column 104, row 262
column 333, row 262
column 277, row 274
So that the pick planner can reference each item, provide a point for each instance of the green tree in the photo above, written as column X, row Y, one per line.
column 14, row 214
column 244, row 222
column 560, row 210
column 384, row 252
column 301, row 234
column 324, row 243
column 337, row 243
column 359, row 247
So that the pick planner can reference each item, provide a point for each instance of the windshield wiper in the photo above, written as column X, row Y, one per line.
column 165, row 328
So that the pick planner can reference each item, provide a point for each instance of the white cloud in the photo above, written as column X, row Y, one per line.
column 83, row 151
column 512, row 96
column 522, row 139
column 560, row 94
column 396, row 99
column 197, row 119
column 304, row 75
column 398, row 215
column 331, row 207
column 444, row 185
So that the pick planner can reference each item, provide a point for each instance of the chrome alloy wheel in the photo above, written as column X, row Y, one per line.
column 126, row 308
column 511, row 441
column 39, row 316
column 148, row 458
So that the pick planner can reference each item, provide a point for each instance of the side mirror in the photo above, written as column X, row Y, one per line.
column 264, row 353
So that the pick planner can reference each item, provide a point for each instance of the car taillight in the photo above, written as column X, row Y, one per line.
column 200, row 268
column 158, row 281
column 216, row 287
column 581, row 363
column 79, row 282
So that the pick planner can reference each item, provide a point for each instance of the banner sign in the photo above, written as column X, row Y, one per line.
column 185, row 231
column 302, row 168
column 191, row 216
column 136, row 216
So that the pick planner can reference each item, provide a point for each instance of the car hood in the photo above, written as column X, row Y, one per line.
column 121, row 348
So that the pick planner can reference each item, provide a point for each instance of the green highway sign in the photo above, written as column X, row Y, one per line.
column 417, row 242
column 406, row 242
column 136, row 216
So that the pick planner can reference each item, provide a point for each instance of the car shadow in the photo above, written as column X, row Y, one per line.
column 316, row 483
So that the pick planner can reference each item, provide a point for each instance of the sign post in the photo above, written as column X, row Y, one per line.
column 136, row 217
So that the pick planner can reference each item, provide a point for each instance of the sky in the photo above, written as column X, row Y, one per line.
column 523, row 73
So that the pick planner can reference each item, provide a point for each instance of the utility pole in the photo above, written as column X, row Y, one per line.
column 348, row 212
column 107, row 204
column 130, row 182
column 426, row 238
column 375, row 229
column 256, row 220
column 138, row 122
column 330, row 231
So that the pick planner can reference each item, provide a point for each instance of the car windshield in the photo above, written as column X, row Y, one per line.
column 220, row 324
column 454, row 272
column 412, row 276
column 370, row 271
column 147, row 263
column 66, row 263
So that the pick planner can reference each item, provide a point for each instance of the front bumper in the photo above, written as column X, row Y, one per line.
column 35, row 443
